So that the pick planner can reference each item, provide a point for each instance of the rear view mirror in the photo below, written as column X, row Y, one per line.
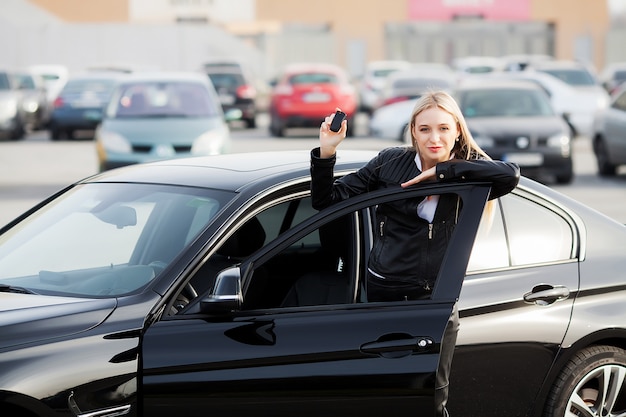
column 120, row 216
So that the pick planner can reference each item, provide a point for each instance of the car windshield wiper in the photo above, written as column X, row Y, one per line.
column 14, row 289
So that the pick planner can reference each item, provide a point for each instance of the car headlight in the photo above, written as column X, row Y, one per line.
column 112, row 142
column 30, row 106
column 560, row 141
column 8, row 109
column 484, row 141
column 214, row 142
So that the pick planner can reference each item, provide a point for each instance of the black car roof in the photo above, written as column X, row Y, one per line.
column 230, row 171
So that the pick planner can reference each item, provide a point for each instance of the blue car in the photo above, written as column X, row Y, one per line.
column 80, row 104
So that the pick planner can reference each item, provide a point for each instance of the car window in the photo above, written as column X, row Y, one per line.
column 572, row 76
column 4, row 81
column 505, row 103
column 620, row 102
column 226, row 80
column 520, row 232
column 108, row 239
column 322, row 267
column 313, row 78
column 490, row 249
column 163, row 99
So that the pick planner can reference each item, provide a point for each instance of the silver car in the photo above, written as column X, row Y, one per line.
column 609, row 138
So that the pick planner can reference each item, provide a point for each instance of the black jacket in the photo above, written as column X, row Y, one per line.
column 407, row 248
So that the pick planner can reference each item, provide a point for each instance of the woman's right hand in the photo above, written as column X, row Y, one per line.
column 329, row 140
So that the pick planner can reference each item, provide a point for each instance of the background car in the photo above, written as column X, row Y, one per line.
column 306, row 93
column 612, row 76
column 236, row 91
column 34, row 99
column 584, row 80
column 226, row 254
column 576, row 105
column 373, row 80
column 161, row 115
column 80, row 103
column 412, row 83
column 514, row 121
column 54, row 78
column 609, row 138
column 12, row 116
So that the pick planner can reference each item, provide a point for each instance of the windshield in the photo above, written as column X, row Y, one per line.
column 164, row 99
column 572, row 76
column 104, row 240
column 505, row 103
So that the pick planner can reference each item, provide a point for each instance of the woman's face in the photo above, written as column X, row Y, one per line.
column 435, row 132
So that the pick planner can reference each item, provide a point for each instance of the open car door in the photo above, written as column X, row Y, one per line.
column 224, row 355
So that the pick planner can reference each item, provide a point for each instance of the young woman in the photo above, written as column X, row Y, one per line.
column 413, row 234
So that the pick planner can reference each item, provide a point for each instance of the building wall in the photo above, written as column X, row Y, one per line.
column 86, row 11
column 578, row 24
column 358, row 26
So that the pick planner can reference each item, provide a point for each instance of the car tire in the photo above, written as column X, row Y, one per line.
column 583, row 383
column 19, row 132
column 277, row 127
column 566, row 175
column 605, row 167
column 251, row 123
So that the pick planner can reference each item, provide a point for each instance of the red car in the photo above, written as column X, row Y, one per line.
column 306, row 93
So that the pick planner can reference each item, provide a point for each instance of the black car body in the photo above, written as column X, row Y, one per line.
column 183, row 286
column 515, row 121
column 236, row 91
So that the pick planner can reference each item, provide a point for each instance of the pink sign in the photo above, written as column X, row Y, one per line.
column 450, row 9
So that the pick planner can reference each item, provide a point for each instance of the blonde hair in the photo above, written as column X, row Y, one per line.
column 465, row 147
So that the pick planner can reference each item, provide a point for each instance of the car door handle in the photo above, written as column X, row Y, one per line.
column 397, row 347
column 546, row 294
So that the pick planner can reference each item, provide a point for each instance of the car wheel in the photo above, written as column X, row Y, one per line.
column 605, row 167
column 251, row 123
column 591, row 384
column 567, row 175
column 276, row 127
column 18, row 132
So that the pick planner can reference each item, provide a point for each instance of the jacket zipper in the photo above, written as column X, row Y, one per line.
column 430, row 231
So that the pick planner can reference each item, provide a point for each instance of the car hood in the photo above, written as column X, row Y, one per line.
column 8, row 95
column 26, row 318
column 166, row 131
column 506, row 126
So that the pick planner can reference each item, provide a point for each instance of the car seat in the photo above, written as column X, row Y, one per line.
column 331, row 284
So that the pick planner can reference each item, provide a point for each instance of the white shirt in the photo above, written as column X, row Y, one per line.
column 426, row 208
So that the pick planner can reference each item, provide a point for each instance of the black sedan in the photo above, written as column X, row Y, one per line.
column 211, row 286
column 515, row 121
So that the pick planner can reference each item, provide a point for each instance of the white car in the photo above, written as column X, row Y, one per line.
column 373, row 81
column 589, row 95
column 391, row 121
column 577, row 104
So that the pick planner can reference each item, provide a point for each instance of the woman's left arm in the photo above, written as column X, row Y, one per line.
column 504, row 176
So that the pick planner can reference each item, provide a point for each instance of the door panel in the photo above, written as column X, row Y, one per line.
column 360, row 360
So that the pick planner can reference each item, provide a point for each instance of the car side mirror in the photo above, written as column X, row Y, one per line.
column 226, row 296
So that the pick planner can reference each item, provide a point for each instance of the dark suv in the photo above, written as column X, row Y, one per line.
column 235, row 89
